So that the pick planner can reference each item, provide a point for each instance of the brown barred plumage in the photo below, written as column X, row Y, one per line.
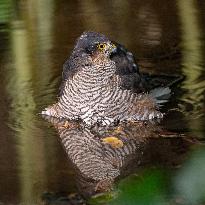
column 94, row 89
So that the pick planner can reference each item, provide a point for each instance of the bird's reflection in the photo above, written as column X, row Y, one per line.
column 100, row 156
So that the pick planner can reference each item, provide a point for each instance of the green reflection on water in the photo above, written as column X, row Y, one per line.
column 31, row 149
column 192, row 60
column 5, row 11
column 191, row 36
column 147, row 188
column 190, row 181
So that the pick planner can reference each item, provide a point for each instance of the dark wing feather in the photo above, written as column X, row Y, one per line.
column 70, row 67
column 127, row 69
column 151, row 81
column 124, row 60
column 132, row 79
column 68, row 70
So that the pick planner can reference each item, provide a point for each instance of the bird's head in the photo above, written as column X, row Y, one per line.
column 95, row 45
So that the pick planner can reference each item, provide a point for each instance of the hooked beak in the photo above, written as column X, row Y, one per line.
column 113, row 48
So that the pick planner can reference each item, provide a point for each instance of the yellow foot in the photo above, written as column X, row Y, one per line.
column 113, row 141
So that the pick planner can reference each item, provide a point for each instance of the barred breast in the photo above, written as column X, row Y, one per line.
column 97, row 99
column 94, row 95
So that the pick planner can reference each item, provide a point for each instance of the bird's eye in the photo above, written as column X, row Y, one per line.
column 101, row 46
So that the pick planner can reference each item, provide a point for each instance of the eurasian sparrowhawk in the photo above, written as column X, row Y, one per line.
column 101, row 84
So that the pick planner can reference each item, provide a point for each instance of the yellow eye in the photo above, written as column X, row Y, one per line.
column 101, row 46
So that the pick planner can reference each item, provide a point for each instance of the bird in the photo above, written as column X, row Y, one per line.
column 101, row 84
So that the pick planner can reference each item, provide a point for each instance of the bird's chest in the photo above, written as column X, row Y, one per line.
column 92, row 99
column 88, row 95
column 88, row 89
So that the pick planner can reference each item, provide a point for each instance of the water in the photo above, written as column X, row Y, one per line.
column 35, row 39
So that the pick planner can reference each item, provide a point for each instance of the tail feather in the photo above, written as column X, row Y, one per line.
column 161, row 95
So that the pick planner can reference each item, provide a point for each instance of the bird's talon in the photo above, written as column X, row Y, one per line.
column 138, row 123
column 66, row 125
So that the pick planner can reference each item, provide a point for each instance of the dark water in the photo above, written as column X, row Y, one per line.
column 35, row 39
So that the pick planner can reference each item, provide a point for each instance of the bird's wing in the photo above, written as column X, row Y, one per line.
column 127, row 69
column 67, row 71
column 152, row 81
column 124, row 60
column 132, row 79
column 70, row 67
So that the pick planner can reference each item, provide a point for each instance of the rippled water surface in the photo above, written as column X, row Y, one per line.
column 35, row 39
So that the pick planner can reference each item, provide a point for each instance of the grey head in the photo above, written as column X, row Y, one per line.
column 93, row 43
column 92, row 52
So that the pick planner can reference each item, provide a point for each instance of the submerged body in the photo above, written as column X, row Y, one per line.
column 96, row 92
